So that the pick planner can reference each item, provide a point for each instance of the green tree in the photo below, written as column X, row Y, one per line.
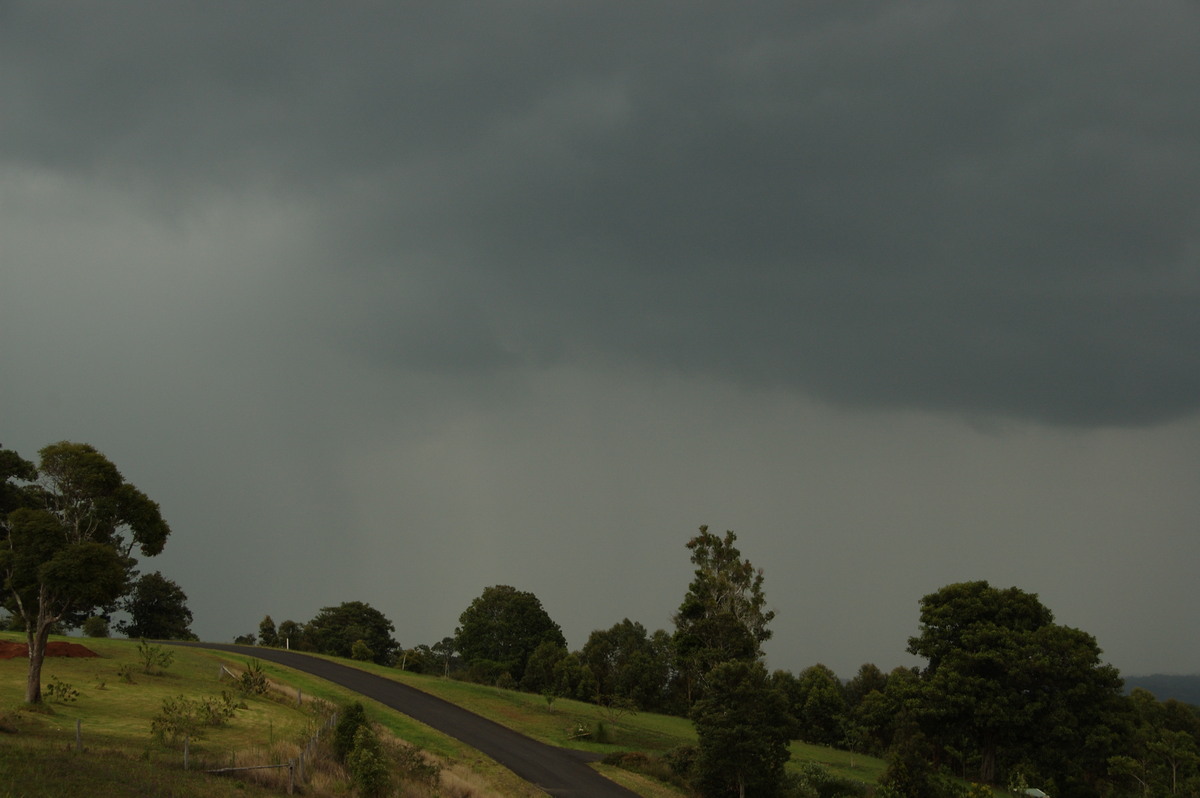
column 819, row 705
column 743, row 727
column 723, row 615
column 334, row 631
column 291, row 634
column 67, row 540
column 504, row 626
column 539, row 668
column 1004, row 685
column 629, row 664
column 267, row 634
column 96, row 626
column 158, row 610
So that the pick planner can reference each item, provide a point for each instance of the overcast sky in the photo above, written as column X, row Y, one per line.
column 393, row 302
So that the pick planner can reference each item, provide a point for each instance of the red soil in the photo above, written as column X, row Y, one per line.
column 56, row 649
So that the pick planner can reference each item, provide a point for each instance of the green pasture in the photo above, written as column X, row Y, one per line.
column 114, row 717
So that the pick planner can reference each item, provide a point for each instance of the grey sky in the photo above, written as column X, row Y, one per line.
column 395, row 303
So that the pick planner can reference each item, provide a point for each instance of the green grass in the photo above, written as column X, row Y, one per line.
column 122, row 758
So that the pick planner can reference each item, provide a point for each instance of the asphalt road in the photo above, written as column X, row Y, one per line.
column 557, row 771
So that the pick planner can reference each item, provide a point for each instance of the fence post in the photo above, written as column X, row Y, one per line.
column 291, row 777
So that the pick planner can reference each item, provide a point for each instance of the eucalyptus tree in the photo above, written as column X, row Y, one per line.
column 723, row 616
column 67, row 540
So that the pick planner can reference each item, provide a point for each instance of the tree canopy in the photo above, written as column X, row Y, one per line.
column 502, row 628
column 158, row 610
column 335, row 630
column 69, row 532
column 1012, row 686
column 723, row 615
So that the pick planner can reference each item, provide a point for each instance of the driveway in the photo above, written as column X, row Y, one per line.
column 557, row 771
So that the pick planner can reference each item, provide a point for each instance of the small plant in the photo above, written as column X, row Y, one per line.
column 414, row 767
column 125, row 673
column 179, row 718
column 155, row 659
column 253, row 680
column 62, row 692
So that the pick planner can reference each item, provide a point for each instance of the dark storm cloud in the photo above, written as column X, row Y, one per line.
column 965, row 207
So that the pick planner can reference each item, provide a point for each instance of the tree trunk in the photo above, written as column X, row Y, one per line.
column 987, row 763
column 37, row 655
column 36, row 635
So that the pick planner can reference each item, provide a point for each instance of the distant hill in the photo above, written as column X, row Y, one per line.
column 1166, row 686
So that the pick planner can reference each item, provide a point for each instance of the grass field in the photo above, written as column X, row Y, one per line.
column 121, row 757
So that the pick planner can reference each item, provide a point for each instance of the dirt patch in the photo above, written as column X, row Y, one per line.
column 55, row 649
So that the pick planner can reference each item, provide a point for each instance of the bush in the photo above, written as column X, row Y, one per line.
column 415, row 767
column 351, row 719
column 60, row 691
column 155, row 659
column 682, row 760
column 367, row 765
column 96, row 626
column 361, row 651
column 813, row 781
column 253, row 680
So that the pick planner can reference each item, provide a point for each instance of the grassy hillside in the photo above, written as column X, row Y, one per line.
column 122, row 757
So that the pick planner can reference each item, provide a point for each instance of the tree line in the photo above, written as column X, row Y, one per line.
column 1007, row 697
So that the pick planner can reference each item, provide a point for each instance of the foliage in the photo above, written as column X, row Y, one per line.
column 361, row 651
column 67, row 534
column 630, row 665
column 743, row 726
column 539, row 669
column 351, row 718
column 253, row 680
column 1006, row 686
column 414, row 767
column 186, row 717
column 267, row 634
column 96, row 626
column 158, row 610
column 723, row 616
column 505, row 625
column 335, row 630
column 61, row 692
column 155, row 659
column 810, row 780
column 367, row 765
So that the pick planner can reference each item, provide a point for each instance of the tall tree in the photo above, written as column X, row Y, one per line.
column 158, row 610
column 743, row 728
column 267, row 634
column 68, row 544
column 335, row 630
column 1007, row 686
column 723, row 615
column 502, row 628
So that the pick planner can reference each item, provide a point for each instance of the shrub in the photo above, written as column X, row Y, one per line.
column 155, row 659
column 253, row 680
column 351, row 719
column 96, row 626
column 367, row 765
column 361, row 651
column 179, row 718
column 60, row 691
column 415, row 767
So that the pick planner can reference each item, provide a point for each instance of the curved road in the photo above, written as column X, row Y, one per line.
column 557, row 771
